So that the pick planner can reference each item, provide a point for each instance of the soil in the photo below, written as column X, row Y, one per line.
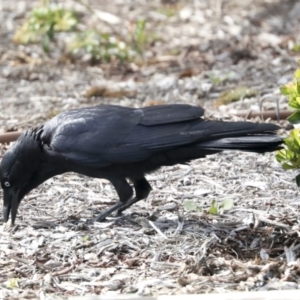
column 195, row 52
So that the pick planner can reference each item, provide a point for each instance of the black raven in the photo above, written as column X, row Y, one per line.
column 119, row 143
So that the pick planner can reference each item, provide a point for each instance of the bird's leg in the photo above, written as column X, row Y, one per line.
column 142, row 190
column 125, row 193
column 108, row 212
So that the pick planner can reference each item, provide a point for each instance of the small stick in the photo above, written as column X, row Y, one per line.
column 283, row 114
column 63, row 271
column 9, row 137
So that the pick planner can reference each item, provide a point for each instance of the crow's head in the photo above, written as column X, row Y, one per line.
column 23, row 167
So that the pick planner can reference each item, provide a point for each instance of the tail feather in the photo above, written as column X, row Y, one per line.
column 212, row 130
column 249, row 137
column 255, row 143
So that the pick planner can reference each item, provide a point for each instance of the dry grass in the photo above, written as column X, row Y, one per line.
column 157, row 247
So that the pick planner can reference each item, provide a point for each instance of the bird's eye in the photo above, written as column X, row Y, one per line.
column 6, row 184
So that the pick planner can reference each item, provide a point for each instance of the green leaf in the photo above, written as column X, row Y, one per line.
column 298, row 180
column 46, row 43
column 85, row 238
column 293, row 103
column 214, row 203
column 287, row 166
column 281, row 155
column 289, row 157
column 297, row 74
column 191, row 206
column 294, row 118
column 12, row 283
column 213, row 210
column 227, row 204
column 285, row 90
column 298, row 86
column 296, row 140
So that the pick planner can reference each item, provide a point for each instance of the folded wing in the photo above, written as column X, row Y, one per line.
column 105, row 135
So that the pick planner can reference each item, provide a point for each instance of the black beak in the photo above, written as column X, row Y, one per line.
column 11, row 204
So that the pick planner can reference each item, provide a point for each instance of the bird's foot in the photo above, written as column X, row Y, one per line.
column 126, row 205
column 108, row 212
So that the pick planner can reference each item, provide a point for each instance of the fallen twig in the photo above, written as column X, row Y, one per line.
column 9, row 136
column 269, row 114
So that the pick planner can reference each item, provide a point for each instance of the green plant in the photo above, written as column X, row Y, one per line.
column 296, row 47
column 215, row 208
column 99, row 46
column 289, row 157
column 139, row 34
column 191, row 206
column 85, row 238
column 12, row 283
column 43, row 22
column 141, row 38
column 102, row 46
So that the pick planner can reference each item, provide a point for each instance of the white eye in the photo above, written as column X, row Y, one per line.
column 7, row 184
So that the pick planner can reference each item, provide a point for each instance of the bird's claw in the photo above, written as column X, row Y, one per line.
column 109, row 211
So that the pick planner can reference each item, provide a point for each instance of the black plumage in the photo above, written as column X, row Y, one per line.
column 120, row 143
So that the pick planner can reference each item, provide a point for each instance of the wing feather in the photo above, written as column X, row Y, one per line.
column 104, row 135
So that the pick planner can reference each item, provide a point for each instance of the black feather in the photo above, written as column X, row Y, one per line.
column 119, row 143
